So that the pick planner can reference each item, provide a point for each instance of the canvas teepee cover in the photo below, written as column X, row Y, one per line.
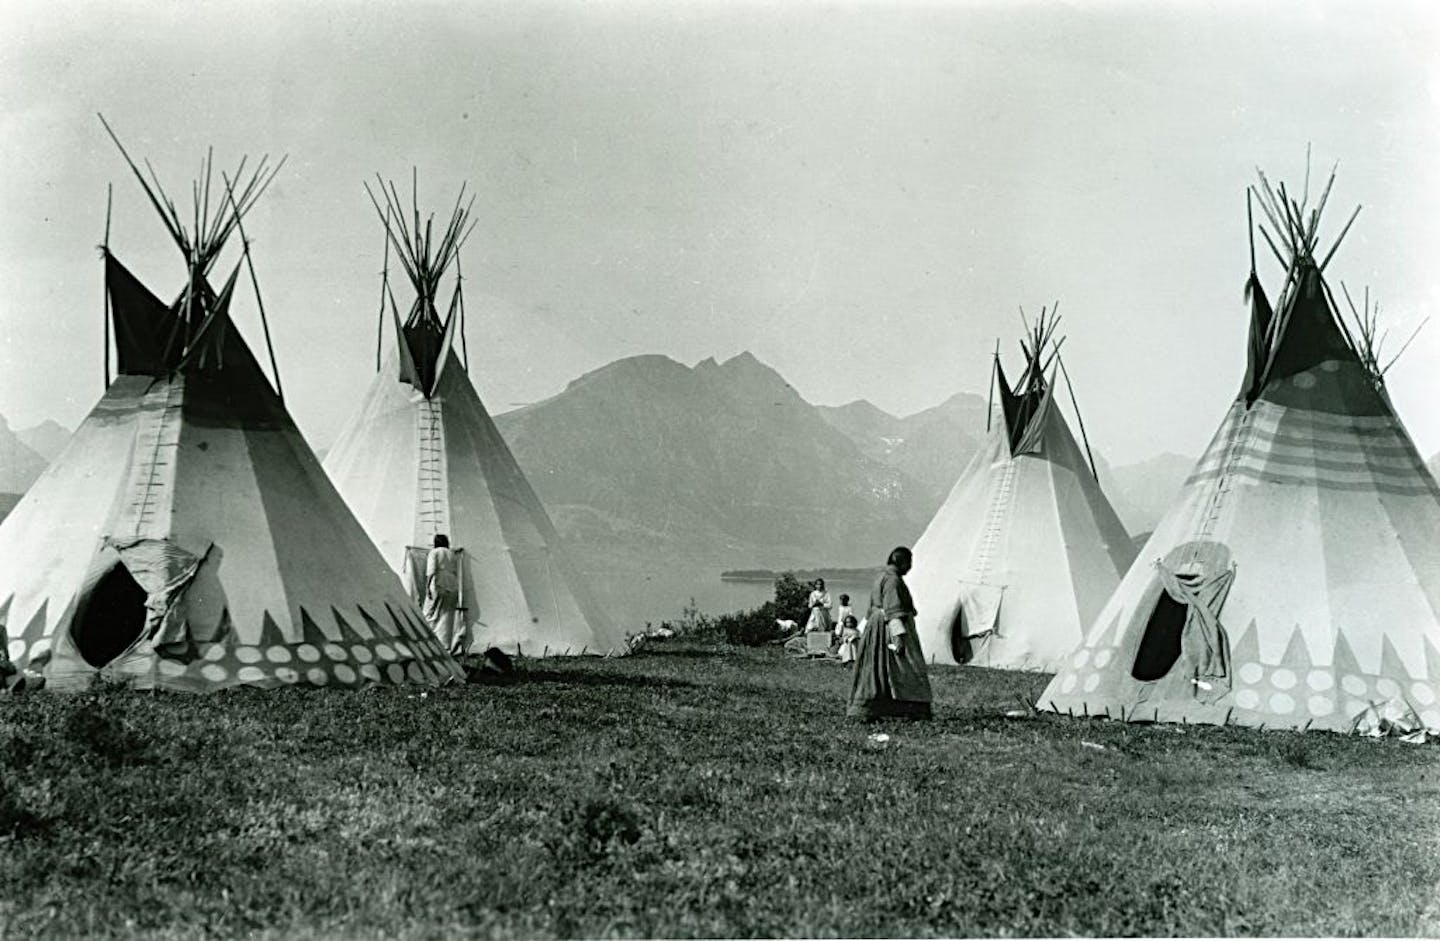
column 1026, row 548
column 187, row 537
column 422, row 457
column 1295, row 583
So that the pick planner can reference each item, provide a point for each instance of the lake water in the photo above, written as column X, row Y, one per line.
column 632, row 599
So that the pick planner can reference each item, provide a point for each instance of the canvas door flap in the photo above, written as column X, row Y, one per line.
column 1202, row 640
column 981, row 606
column 163, row 570
column 412, row 572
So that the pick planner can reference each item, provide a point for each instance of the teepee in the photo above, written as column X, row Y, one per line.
column 1295, row 583
column 1026, row 548
column 421, row 457
column 187, row 537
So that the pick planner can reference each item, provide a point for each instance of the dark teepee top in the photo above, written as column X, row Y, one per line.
column 1024, row 405
column 1300, row 352
column 153, row 338
column 424, row 338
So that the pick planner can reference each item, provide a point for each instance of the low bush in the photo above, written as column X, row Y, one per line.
column 761, row 625
column 750, row 628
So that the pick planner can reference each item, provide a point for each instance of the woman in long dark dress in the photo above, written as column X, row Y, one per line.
column 890, row 677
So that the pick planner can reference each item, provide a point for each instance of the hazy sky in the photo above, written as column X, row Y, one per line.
column 860, row 194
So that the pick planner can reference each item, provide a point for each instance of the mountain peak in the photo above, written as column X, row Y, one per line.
column 47, row 439
column 747, row 378
column 656, row 364
column 744, row 358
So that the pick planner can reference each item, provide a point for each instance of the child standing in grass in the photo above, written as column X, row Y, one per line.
column 849, row 632
column 841, row 613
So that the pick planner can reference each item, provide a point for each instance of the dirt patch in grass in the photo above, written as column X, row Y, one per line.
column 694, row 791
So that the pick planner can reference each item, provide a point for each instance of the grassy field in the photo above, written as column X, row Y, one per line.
column 694, row 790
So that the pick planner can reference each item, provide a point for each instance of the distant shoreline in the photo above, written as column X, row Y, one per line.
column 804, row 575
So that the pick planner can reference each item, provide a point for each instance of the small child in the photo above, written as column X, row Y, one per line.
column 841, row 613
column 849, row 637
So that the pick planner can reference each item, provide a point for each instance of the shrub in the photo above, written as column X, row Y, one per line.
column 751, row 628
column 759, row 626
column 791, row 598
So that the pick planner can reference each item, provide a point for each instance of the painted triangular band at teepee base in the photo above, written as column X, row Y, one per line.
column 422, row 457
column 1295, row 583
column 187, row 537
column 1026, row 548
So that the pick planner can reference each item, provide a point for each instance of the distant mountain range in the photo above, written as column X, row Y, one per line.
column 20, row 463
column 46, row 439
column 725, row 462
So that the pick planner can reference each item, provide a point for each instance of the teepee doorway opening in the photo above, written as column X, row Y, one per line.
column 1160, row 644
column 960, row 647
column 110, row 618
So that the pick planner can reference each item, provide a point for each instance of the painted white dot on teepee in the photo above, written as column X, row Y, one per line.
column 1247, row 699
column 172, row 668
column 1387, row 687
column 1067, row 685
column 1320, row 705
column 248, row 654
column 16, row 649
column 1103, row 658
column 403, row 649
column 1423, row 693
column 1080, row 658
column 277, row 654
column 1282, row 678
column 344, row 674
column 1319, row 680
column 385, row 651
column 1251, row 673
column 1091, row 682
column 287, row 674
column 250, row 674
column 1303, row 380
column 1331, row 365
column 40, row 648
column 361, row 653
column 308, row 652
column 1282, row 703
column 370, row 672
column 213, row 672
column 396, row 673
column 416, row 674
column 317, row 676
column 335, row 652
column 1354, row 685
column 212, row 652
